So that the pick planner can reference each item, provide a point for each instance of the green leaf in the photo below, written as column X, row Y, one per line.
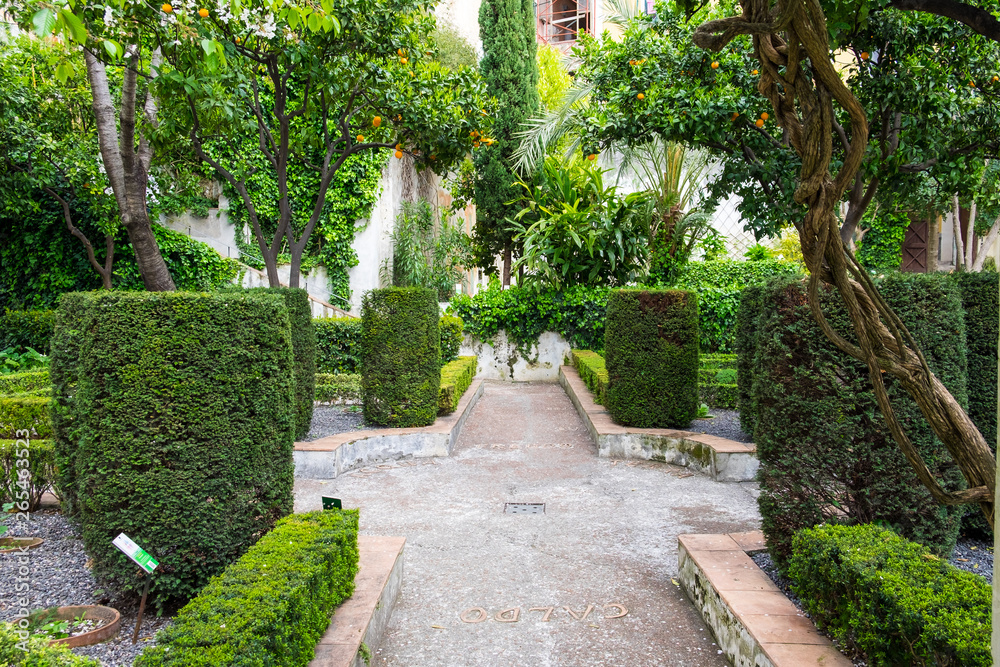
column 74, row 25
column 314, row 22
column 44, row 21
column 114, row 49
column 208, row 46
column 63, row 72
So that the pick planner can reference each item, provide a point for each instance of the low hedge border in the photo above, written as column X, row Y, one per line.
column 891, row 598
column 272, row 605
column 717, row 361
column 28, row 413
column 456, row 376
column 717, row 395
column 41, row 469
column 338, row 387
column 17, row 383
column 593, row 372
column 39, row 653
column 451, row 338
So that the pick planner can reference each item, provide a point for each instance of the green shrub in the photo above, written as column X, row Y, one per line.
column 979, row 293
column 752, row 305
column 25, row 413
column 338, row 388
column 39, row 653
column 303, row 352
column 17, row 383
column 891, row 598
column 456, row 376
column 593, row 372
column 22, row 329
column 719, row 285
column 175, row 420
column 577, row 314
column 651, row 351
column 719, row 395
column 451, row 338
column 401, row 356
column 338, row 345
column 41, row 475
column 272, row 605
column 826, row 455
column 718, row 360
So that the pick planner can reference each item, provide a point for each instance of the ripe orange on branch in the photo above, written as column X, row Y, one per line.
column 759, row 123
column 203, row 13
column 376, row 121
column 715, row 65
column 764, row 116
column 167, row 8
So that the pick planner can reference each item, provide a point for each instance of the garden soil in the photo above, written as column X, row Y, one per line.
column 606, row 543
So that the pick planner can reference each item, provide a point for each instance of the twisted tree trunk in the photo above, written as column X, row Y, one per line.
column 799, row 78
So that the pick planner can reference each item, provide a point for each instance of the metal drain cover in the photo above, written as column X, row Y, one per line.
column 524, row 508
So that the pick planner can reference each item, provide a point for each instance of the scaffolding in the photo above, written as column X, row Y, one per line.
column 560, row 22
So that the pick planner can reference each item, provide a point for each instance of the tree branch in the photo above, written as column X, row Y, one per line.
column 980, row 20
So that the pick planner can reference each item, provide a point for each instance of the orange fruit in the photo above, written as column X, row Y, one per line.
column 376, row 121
column 203, row 13
column 715, row 65
column 361, row 138
column 475, row 144
column 996, row 78
column 404, row 60
column 764, row 116
column 399, row 154
column 167, row 8
column 399, row 147
column 400, row 117
column 400, row 52
column 864, row 55
column 592, row 156
column 755, row 73
column 641, row 96
column 759, row 123
column 972, row 84
column 734, row 116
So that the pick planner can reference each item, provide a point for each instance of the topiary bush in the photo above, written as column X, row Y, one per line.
column 451, row 338
column 593, row 371
column 826, row 455
column 303, row 352
column 175, row 424
column 272, row 605
column 22, row 329
column 401, row 356
column 890, row 598
column 26, row 491
column 456, row 377
column 338, row 345
column 651, row 352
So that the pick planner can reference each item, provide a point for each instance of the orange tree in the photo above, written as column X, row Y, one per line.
column 312, row 84
column 768, row 96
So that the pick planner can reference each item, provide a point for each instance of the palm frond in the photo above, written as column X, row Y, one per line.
column 541, row 133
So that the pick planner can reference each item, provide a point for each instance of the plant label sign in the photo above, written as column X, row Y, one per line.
column 132, row 550
column 331, row 503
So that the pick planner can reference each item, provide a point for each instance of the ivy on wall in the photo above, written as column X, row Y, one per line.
column 351, row 197
column 881, row 248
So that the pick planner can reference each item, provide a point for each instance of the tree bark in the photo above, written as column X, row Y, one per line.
column 506, row 263
column 109, row 243
column 127, row 167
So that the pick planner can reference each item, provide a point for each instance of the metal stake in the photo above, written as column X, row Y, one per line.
column 142, row 607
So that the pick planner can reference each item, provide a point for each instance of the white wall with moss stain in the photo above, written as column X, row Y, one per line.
column 499, row 358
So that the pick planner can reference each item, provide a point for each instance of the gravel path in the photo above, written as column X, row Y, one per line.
column 724, row 424
column 334, row 419
column 60, row 576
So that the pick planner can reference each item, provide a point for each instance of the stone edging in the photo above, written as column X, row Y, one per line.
column 724, row 460
column 329, row 457
column 364, row 617
column 754, row 623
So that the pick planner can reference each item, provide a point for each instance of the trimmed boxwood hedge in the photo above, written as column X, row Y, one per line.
column 16, row 383
column 175, row 424
column 39, row 654
column 25, row 412
column 401, row 356
column 456, row 376
column 825, row 452
column 272, row 605
column 303, row 352
column 40, row 455
column 338, row 388
column 745, row 340
column 593, row 372
column 338, row 345
column 651, row 352
column 22, row 329
column 451, row 337
column 891, row 598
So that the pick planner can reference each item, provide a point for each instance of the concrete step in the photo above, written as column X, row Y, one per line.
column 723, row 460
column 361, row 620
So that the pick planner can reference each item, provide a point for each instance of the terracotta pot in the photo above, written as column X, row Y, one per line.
column 9, row 545
column 112, row 620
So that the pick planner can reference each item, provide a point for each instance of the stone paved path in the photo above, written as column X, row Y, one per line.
column 608, row 536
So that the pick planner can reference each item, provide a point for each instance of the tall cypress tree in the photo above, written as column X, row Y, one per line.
column 510, row 70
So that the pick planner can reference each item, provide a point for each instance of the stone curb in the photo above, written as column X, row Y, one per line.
column 364, row 617
column 723, row 460
column 330, row 457
column 754, row 623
